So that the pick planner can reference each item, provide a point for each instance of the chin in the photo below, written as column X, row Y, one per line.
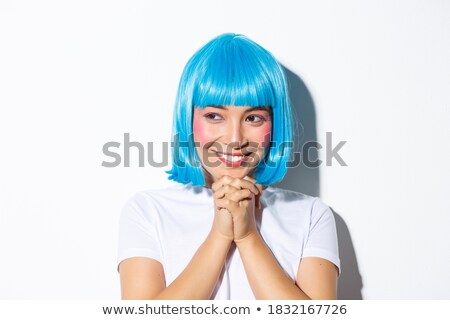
column 234, row 173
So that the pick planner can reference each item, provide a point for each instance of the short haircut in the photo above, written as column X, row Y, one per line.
column 231, row 70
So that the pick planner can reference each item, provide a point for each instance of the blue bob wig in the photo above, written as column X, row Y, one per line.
column 231, row 70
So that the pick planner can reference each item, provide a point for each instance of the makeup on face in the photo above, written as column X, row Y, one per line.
column 232, row 139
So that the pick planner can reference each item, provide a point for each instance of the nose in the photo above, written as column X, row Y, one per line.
column 235, row 136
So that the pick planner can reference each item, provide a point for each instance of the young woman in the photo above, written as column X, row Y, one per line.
column 224, row 232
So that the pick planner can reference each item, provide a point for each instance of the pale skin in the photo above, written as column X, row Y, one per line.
column 236, row 203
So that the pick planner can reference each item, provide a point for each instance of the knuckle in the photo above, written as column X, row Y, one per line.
column 244, row 193
column 246, row 182
column 237, row 182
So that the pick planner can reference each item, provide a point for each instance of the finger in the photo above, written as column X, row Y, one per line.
column 224, row 190
column 244, row 203
column 226, row 203
column 253, row 180
column 221, row 182
column 260, row 188
column 240, row 195
column 258, row 201
column 241, row 184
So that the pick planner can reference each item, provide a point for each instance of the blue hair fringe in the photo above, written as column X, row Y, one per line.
column 231, row 70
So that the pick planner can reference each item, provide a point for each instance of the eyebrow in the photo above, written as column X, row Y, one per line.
column 262, row 108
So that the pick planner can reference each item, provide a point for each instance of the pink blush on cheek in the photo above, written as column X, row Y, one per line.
column 202, row 133
column 266, row 131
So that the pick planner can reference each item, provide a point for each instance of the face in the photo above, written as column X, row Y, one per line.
column 231, row 140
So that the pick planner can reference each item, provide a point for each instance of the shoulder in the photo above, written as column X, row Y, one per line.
column 283, row 197
column 154, row 195
column 296, row 203
column 145, row 202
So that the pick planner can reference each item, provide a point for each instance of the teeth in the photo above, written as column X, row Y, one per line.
column 233, row 158
column 230, row 158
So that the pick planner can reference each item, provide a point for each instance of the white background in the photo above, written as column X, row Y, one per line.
column 77, row 74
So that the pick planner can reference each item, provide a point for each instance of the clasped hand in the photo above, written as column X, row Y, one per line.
column 234, row 205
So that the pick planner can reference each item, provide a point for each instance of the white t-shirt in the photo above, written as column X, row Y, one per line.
column 169, row 225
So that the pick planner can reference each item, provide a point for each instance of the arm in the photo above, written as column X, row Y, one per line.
column 316, row 276
column 143, row 278
column 266, row 278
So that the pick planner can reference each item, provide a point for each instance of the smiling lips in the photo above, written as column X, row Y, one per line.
column 233, row 160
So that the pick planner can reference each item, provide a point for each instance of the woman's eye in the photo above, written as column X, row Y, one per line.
column 213, row 116
column 255, row 118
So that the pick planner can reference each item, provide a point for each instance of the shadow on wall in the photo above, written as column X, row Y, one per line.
column 307, row 180
column 350, row 281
